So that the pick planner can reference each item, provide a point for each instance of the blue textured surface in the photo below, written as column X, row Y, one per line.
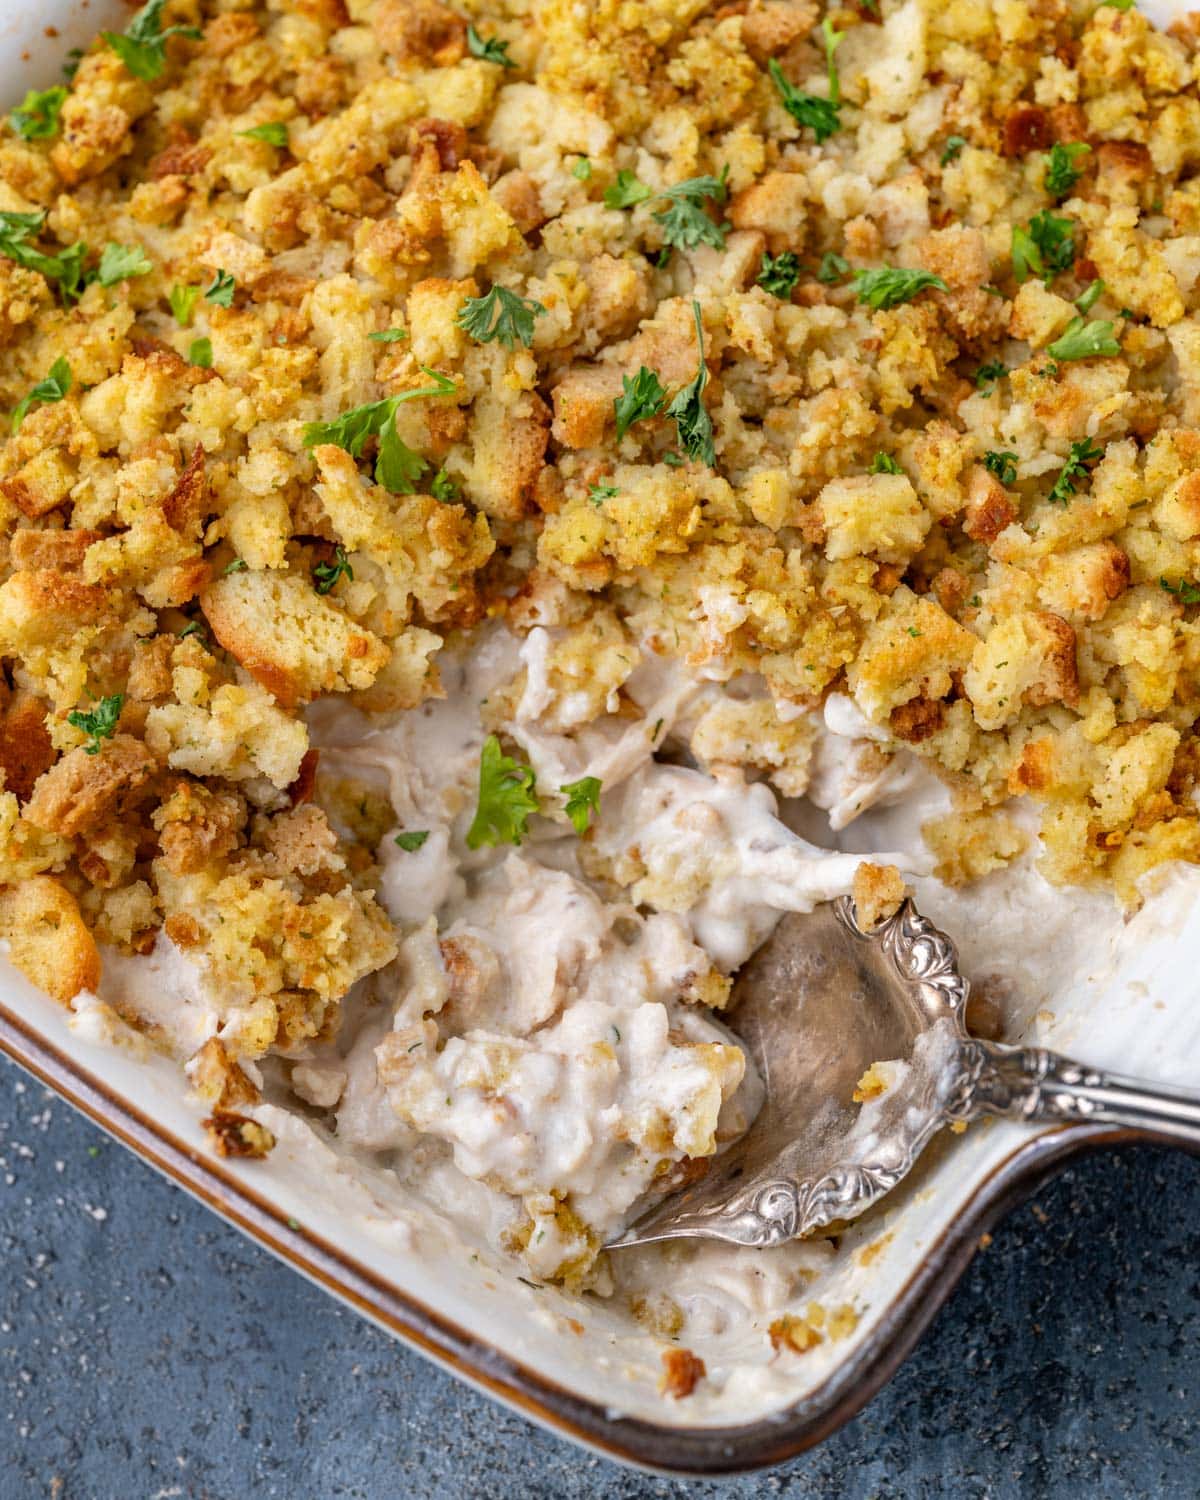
column 148, row 1352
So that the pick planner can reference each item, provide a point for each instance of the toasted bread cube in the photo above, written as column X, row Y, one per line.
column 40, row 484
column 873, row 515
column 47, row 938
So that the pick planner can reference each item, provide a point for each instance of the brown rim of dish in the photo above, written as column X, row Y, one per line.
column 667, row 1449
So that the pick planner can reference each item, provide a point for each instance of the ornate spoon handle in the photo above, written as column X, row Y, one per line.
column 1029, row 1083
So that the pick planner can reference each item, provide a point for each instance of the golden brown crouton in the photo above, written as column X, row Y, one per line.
column 989, row 508
column 421, row 31
column 878, row 892
column 47, row 938
column 231, row 1134
column 82, row 790
column 26, row 749
column 218, row 1080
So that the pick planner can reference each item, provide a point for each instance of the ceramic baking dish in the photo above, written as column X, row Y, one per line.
column 575, row 1364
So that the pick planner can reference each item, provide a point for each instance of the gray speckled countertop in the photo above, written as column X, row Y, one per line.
column 149, row 1352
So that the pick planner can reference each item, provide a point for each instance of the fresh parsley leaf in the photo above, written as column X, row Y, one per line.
column 388, row 335
column 238, row 565
column 1081, row 340
column 412, row 839
column 396, row 464
column 1074, row 471
column 36, row 119
column 1045, row 248
column 222, row 290
column 1061, row 172
column 642, row 397
column 808, row 110
column 196, row 629
column 599, row 493
column 582, row 170
column 832, row 268
column 583, row 799
column 502, row 315
column 493, row 50
column 273, row 133
column 52, row 388
column 693, row 424
column 326, row 574
column 779, row 274
column 18, row 227
column 200, row 353
column 1185, row 592
column 626, row 192
column 1002, row 465
column 122, row 263
column 183, row 301
column 684, row 222
column 889, row 286
column 398, row 468
column 142, row 48
column 100, row 723
column 506, row 798
column 884, row 463
column 1088, row 298
column 1116, row 4
column 442, row 487
column 952, row 149
column 988, row 374
column 64, row 268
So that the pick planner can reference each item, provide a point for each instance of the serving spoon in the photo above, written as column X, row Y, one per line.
column 816, row 1006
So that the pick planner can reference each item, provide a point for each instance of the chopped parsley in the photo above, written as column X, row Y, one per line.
column 832, row 268
column 502, row 315
column 1117, row 4
column 779, row 274
column 388, row 335
column 583, row 799
column 397, row 467
column 412, row 839
column 1081, row 340
column 642, row 397
column 273, row 133
column 599, row 493
column 884, row 463
column 493, row 50
column 1185, row 592
column 692, row 421
column 506, row 798
column 326, row 574
column 183, row 301
column 582, row 170
column 442, row 487
column 122, row 263
column 200, row 353
column 100, row 723
column 64, row 268
column 142, row 47
column 1061, row 172
column 683, row 219
column 1003, row 465
column 626, row 191
column 196, row 629
column 1074, row 471
column 238, row 565
column 222, row 290
column 1088, row 298
column 889, row 286
column 52, row 388
column 810, row 111
column 988, row 374
column 952, row 149
column 36, row 119
column 1045, row 248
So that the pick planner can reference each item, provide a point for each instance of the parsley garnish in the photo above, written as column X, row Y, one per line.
column 506, row 798
column 952, row 149
column 987, row 374
column 1061, row 172
column 238, row 565
column 808, row 110
column 37, row 118
column 1074, row 471
column 1116, row 4
column 53, row 388
column 388, row 335
column 642, row 397
column 326, row 574
column 200, row 353
column 1185, row 592
column 65, row 268
column 196, row 629
column 884, row 463
column 832, row 268
column 582, row 170
column 779, row 274
column 500, row 315
column 122, row 263
column 397, row 467
column 493, row 50
column 143, row 46
column 1002, row 465
column 412, row 839
column 583, row 799
column 1044, row 249
column 692, row 421
column 1088, row 298
column 684, row 222
column 599, row 493
column 100, row 723
column 274, row 133
column 183, row 301
column 221, row 291
column 889, row 286
column 1080, row 340
column 626, row 192
column 442, row 487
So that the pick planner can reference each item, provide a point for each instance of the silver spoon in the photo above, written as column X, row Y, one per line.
column 817, row 1005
